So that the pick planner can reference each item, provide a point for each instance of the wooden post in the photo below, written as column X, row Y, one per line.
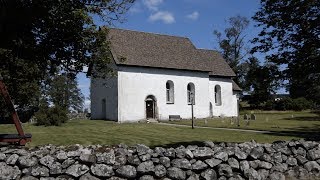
column 192, row 110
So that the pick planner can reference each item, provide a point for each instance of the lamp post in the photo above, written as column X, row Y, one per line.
column 192, row 99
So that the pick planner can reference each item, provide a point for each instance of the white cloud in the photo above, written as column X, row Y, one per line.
column 136, row 8
column 193, row 16
column 164, row 16
column 152, row 4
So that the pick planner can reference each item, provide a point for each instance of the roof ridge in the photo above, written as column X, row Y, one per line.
column 151, row 33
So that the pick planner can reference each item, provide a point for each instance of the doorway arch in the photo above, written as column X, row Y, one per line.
column 151, row 107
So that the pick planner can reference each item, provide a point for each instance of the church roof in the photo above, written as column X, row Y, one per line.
column 235, row 86
column 164, row 51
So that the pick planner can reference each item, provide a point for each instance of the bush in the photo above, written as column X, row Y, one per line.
column 51, row 116
column 287, row 103
column 300, row 104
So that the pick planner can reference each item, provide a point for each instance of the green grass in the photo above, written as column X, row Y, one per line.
column 282, row 125
column 102, row 132
column 270, row 121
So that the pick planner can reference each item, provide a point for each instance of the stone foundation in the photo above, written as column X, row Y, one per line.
column 250, row 160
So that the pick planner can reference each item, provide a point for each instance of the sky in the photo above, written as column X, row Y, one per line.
column 195, row 19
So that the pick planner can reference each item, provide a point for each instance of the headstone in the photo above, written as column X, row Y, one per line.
column 205, row 121
column 246, row 117
column 253, row 117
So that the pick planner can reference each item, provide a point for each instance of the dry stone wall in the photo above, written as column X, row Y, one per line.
column 279, row 160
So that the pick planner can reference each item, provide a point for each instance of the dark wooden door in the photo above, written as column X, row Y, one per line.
column 150, row 109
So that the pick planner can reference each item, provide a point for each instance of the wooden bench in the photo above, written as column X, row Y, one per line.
column 174, row 117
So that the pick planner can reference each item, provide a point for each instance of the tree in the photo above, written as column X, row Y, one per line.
column 40, row 38
column 290, row 37
column 233, row 46
column 63, row 91
column 263, row 80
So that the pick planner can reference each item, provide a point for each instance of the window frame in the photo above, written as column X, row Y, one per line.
column 170, row 92
column 217, row 95
column 190, row 90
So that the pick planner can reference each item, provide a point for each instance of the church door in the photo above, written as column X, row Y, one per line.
column 150, row 109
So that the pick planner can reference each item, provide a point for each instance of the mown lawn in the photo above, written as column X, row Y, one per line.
column 297, row 124
column 103, row 132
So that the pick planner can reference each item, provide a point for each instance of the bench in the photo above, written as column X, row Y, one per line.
column 174, row 117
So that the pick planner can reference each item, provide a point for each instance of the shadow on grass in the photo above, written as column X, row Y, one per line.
column 177, row 144
column 307, row 133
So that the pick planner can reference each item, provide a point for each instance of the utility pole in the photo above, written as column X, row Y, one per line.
column 192, row 99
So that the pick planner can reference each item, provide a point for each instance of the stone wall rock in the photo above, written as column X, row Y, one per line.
column 296, row 159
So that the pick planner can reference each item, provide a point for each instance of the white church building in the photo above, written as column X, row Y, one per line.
column 159, row 77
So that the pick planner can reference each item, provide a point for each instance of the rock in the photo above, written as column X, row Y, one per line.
column 55, row 168
column 108, row 158
column 102, row 170
column 61, row 156
column 73, row 153
column 146, row 167
column 180, row 152
column 233, row 163
column 160, row 150
column 142, row 149
column 28, row 178
column 188, row 154
column 145, row 157
column 171, row 153
column 256, row 152
column 209, row 174
column 222, row 178
column 193, row 177
column 64, row 177
column 221, row 155
column 301, row 160
column 292, row 161
column 88, row 176
column 9, row 172
column 244, row 165
column 127, row 171
column 181, row 163
column 312, row 166
column 160, row 171
column 203, row 152
column 146, row 177
column 265, row 165
column 308, row 144
column 277, row 176
column 165, row 161
column 116, row 178
column 176, row 173
column 268, row 148
column 240, row 154
column 155, row 160
column 47, row 160
column 254, row 164
column 224, row 170
column 40, row 171
column 299, row 151
column 263, row 174
column 26, row 161
column 236, row 177
column 199, row 165
column 121, row 151
column 277, row 157
column 266, row 157
column 209, row 144
column 120, row 161
column 192, row 147
column 2, row 156
column 314, row 154
column 68, row 162
column 291, row 174
column 280, row 167
column 281, row 146
column 213, row 162
column 12, row 159
column 134, row 160
column 88, row 158
column 230, row 151
column 77, row 170
column 251, row 174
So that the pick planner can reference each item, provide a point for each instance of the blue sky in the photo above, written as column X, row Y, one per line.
column 195, row 19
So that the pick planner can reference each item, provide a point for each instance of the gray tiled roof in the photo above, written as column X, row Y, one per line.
column 163, row 51
column 235, row 86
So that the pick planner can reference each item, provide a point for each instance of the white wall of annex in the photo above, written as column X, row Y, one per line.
column 229, row 105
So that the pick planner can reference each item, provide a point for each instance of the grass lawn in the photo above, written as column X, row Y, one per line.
column 110, row 133
column 297, row 124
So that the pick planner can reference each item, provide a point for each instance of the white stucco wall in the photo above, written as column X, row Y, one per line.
column 229, row 105
column 104, row 89
column 136, row 83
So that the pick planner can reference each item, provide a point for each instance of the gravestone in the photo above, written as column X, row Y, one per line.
column 246, row 117
column 253, row 117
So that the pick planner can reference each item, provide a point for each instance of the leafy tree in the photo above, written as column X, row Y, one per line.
column 290, row 37
column 63, row 91
column 233, row 46
column 38, row 38
column 262, row 80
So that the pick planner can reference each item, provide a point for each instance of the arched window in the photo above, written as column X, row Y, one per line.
column 217, row 95
column 191, row 93
column 170, row 92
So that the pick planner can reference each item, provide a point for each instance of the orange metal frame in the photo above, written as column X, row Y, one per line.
column 21, row 138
